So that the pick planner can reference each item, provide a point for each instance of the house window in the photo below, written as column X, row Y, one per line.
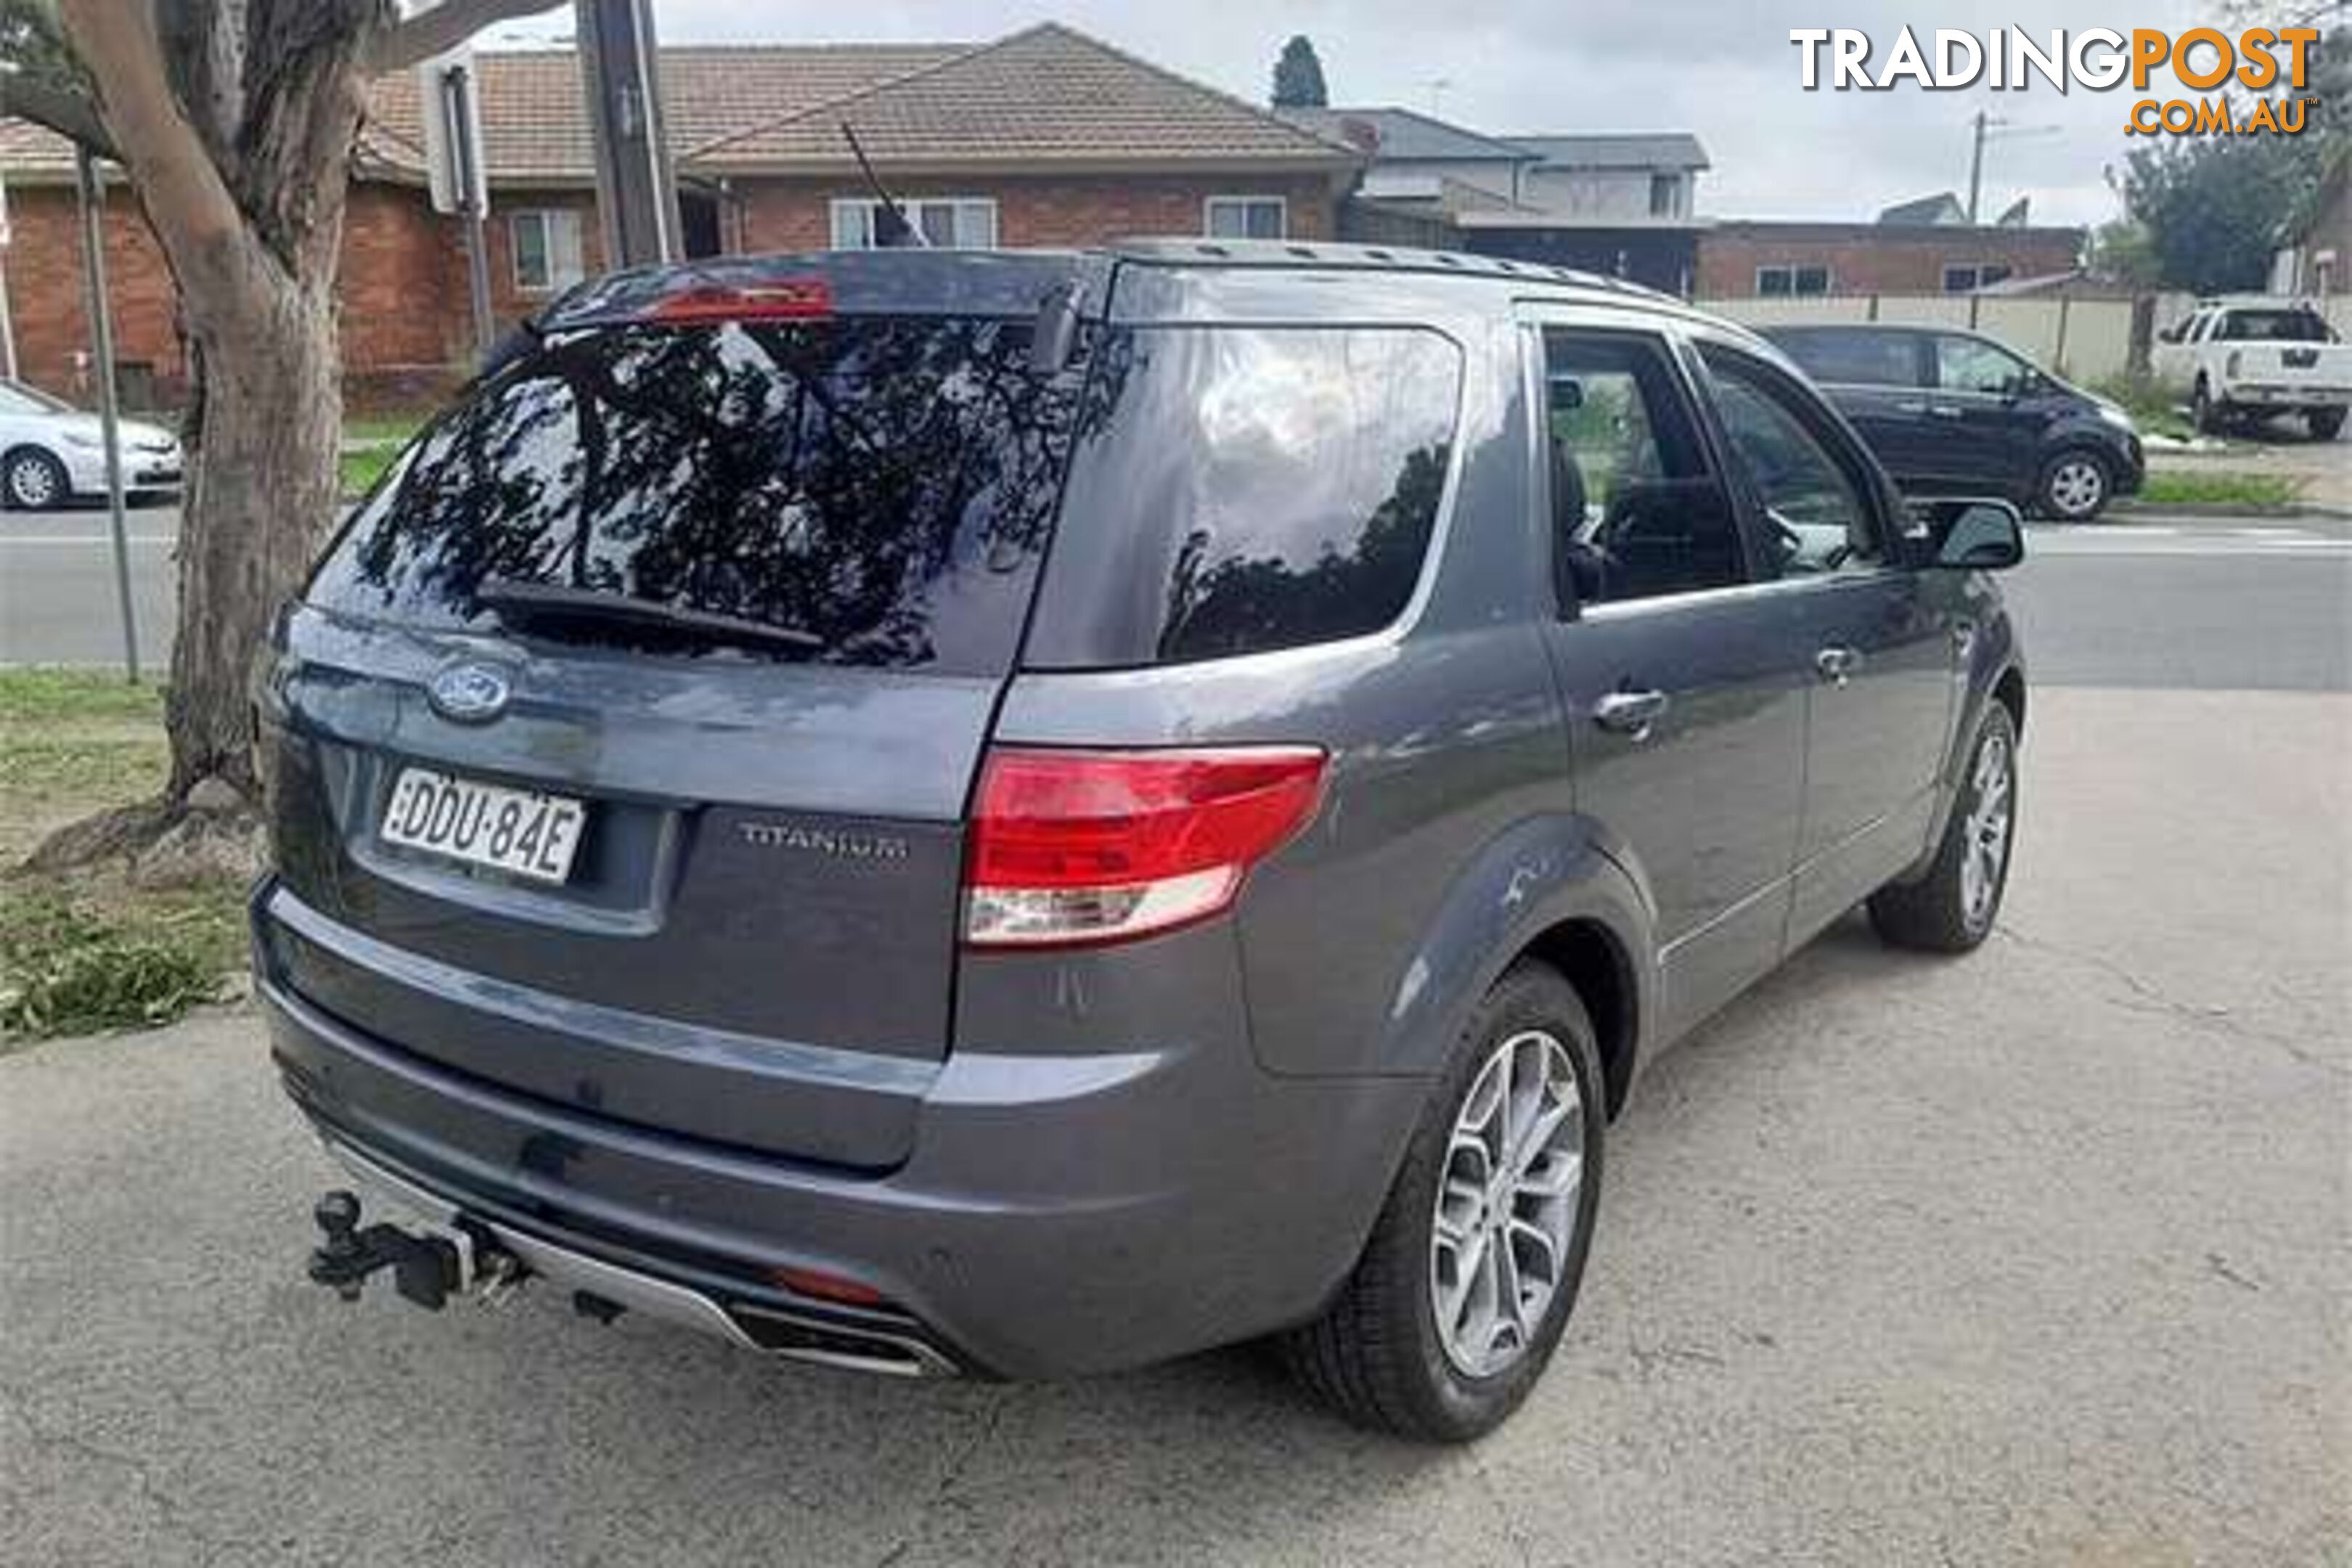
column 946, row 223
column 546, row 250
column 1785, row 282
column 1246, row 217
column 1665, row 195
column 1965, row 277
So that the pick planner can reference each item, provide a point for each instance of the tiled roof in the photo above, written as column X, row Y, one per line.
column 29, row 150
column 1402, row 134
column 1618, row 149
column 535, row 119
column 1046, row 95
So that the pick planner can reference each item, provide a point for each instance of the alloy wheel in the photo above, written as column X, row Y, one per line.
column 1984, row 851
column 1507, row 1206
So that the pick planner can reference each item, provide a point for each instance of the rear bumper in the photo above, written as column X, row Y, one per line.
column 1059, row 1215
column 2288, row 394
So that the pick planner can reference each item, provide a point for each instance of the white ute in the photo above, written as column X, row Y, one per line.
column 2248, row 356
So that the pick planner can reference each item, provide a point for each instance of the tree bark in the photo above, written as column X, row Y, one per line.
column 261, row 497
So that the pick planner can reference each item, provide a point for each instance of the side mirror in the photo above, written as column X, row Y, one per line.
column 1972, row 535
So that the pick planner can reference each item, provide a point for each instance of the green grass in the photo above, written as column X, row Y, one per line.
column 364, row 468
column 378, row 438
column 2176, row 488
column 2156, row 411
column 73, row 964
column 91, row 951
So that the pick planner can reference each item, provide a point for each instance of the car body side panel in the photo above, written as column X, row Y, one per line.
column 1989, row 651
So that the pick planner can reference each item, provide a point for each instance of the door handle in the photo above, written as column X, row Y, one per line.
column 1945, row 411
column 1911, row 408
column 1837, row 664
column 1629, row 712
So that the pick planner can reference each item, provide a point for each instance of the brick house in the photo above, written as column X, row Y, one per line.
column 1045, row 137
column 1740, row 260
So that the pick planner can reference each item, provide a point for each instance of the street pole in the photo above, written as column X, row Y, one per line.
column 1976, row 166
column 636, row 198
column 459, row 123
column 92, row 192
column 7, row 314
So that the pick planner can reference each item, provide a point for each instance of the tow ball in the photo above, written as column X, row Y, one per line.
column 427, row 1268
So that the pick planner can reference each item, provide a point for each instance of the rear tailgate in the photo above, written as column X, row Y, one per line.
column 754, row 941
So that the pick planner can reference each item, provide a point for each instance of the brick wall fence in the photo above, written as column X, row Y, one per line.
column 1874, row 258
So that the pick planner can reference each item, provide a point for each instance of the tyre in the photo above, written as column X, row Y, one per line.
column 32, row 481
column 2075, row 485
column 2324, row 424
column 1454, row 1307
column 2204, row 413
column 1952, row 907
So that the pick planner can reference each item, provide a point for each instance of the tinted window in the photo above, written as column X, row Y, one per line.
column 1633, row 513
column 1246, row 489
column 1863, row 358
column 1972, row 364
column 883, row 486
column 1815, row 517
column 2274, row 326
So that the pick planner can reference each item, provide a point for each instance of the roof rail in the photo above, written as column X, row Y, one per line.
column 1268, row 253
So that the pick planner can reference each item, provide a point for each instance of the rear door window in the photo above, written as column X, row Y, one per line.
column 866, row 491
column 1238, row 489
column 1856, row 358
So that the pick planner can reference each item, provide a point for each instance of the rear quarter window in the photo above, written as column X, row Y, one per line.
column 1237, row 490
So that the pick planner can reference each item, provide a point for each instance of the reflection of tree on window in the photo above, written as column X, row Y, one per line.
column 849, row 479
column 1247, row 489
column 1266, row 600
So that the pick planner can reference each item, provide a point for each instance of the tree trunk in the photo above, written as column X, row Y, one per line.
column 262, row 494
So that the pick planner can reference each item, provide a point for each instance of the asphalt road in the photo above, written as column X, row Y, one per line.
column 2038, row 1257
column 2159, row 602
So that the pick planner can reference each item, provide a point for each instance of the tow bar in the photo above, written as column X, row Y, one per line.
column 427, row 1267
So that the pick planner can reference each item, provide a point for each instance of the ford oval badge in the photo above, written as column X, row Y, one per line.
column 469, row 693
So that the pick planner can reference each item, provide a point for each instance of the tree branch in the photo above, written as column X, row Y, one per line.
column 71, row 114
column 186, row 200
column 444, row 27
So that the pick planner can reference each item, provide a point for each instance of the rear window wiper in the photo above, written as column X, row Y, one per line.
column 556, row 601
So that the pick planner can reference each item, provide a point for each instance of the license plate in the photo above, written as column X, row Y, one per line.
column 520, row 832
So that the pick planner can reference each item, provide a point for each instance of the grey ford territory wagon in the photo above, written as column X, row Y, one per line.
column 1027, row 814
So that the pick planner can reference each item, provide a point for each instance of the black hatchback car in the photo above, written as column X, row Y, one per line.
column 1951, row 412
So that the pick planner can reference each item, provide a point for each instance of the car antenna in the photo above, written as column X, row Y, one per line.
column 891, row 229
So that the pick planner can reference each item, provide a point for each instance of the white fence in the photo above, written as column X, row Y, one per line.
column 2081, row 340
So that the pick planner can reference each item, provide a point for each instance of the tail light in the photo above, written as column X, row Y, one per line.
column 2231, row 366
column 1074, row 846
column 783, row 300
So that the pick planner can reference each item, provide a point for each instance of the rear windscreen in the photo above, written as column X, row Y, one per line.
column 1242, row 489
column 879, row 490
column 2274, row 326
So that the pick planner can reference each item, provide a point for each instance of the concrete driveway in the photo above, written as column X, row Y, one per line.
column 2038, row 1256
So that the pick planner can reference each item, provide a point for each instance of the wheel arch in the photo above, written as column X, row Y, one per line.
column 1545, row 889
column 1593, row 959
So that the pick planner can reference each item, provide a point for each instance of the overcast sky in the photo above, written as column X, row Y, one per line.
column 1722, row 68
